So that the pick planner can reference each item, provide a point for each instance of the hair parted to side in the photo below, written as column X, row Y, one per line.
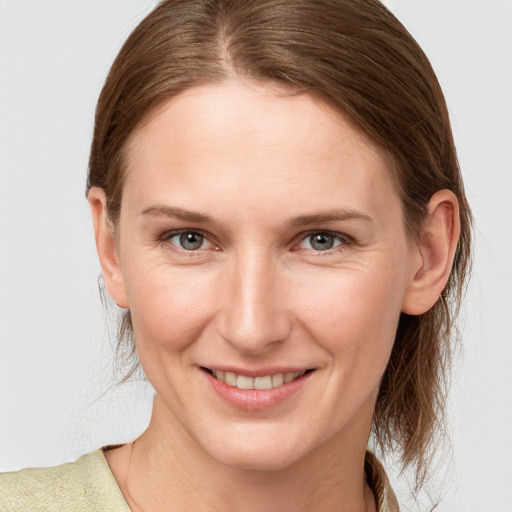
column 358, row 58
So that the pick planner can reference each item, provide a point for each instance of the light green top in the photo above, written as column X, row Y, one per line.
column 86, row 485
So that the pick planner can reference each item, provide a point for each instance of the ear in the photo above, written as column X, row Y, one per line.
column 435, row 251
column 106, row 247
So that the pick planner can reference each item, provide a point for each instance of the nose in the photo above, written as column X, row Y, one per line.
column 253, row 313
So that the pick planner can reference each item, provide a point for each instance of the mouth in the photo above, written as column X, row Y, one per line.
column 262, row 382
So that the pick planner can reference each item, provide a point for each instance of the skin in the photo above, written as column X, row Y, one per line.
column 267, row 170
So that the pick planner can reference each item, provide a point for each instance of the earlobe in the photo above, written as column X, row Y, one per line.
column 435, row 253
column 106, row 247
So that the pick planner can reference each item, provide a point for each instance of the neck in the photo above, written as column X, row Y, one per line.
column 166, row 466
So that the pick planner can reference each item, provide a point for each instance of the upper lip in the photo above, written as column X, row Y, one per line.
column 260, row 372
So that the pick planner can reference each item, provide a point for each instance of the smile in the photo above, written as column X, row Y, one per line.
column 263, row 382
column 262, row 390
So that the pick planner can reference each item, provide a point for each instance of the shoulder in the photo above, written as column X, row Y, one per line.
column 86, row 484
column 379, row 483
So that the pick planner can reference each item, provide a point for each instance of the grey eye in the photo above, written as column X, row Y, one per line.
column 322, row 241
column 189, row 240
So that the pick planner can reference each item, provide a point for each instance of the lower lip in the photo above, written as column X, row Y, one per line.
column 255, row 399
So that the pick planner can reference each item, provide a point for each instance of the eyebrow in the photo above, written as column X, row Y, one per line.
column 329, row 216
column 177, row 213
column 303, row 220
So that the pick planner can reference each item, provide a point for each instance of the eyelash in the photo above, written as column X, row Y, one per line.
column 342, row 239
column 168, row 235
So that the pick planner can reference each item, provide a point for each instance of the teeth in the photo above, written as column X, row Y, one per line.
column 230, row 379
column 277, row 380
column 288, row 377
column 263, row 382
column 243, row 382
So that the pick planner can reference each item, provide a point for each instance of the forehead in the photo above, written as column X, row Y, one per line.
column 224, row 139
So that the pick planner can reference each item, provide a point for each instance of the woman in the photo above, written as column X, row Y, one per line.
column 278, row 207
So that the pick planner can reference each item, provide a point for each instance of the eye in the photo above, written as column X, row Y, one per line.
column 322, row 241
column 188, row 240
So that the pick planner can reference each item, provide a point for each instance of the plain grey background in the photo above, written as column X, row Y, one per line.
column 56, row 395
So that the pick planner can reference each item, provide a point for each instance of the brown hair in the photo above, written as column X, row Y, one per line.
column 357, row 57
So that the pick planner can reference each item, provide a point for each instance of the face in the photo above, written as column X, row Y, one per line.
column 265, row 263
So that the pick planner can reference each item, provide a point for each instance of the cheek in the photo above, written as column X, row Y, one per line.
column 168, row 308
column 354, row 316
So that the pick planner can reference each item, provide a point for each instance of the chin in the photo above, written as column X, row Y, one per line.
column 258, row 459
column 248, row 450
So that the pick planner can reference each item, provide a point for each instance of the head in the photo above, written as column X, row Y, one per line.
column 352, row 60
